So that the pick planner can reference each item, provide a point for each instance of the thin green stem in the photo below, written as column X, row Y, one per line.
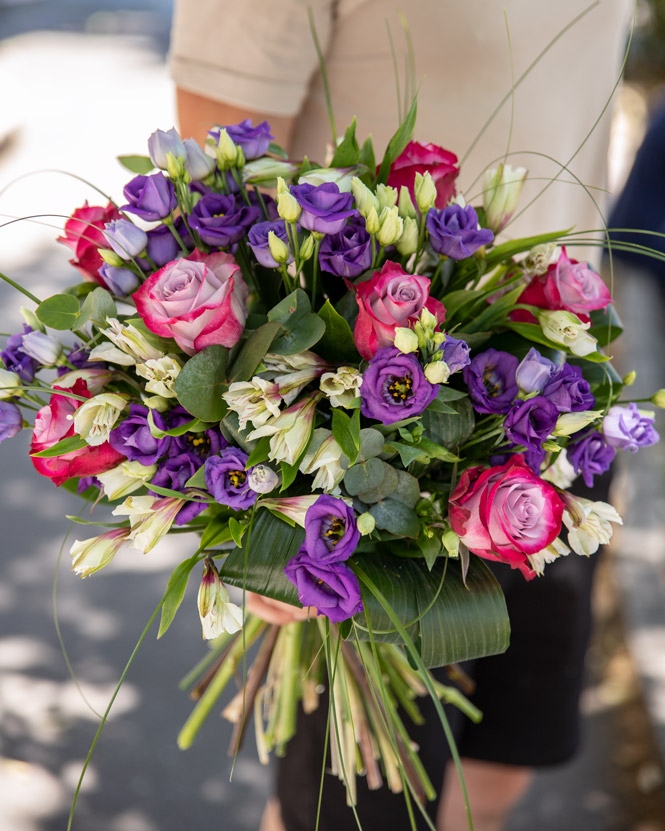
column 324, row 75
column 20, row 288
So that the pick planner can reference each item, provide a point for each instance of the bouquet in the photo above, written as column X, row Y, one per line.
column 352, row 393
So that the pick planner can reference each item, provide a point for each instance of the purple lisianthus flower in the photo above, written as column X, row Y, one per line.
column 568, row 389
column 455, row 353
column 198, row 445
column 198, row 163
column 348, row 253
column 533, row 456
column 228, row 481
column 258, row 242
column 253, row 140
column 589, row 454
column 222, row 221
column 626, row 428
column 150, row 197
column 119, row 281
column 530, row 422
column 11, row 420
column 162, row 247
column 132, row 437
column 173, row 472
column 394, row 386
column 533, row 372
column 332, row 588
column 324, row 207
column 331, row 533
column 125, row 238
column 454, row 231
column 15, row 359
column 78, row 358
column 490, row 378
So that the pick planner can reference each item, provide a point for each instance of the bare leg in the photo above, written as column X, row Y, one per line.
column 272, row 817
column 493, row 790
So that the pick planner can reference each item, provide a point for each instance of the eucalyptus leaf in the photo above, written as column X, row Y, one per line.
column 141, row 165
column 407, row 490
column 201, row 382
column 386, row 486
column 371, row 443
column 97, row 306
column 396, row 517
column 308, row 331
column 291, row 309
column 364, row 476
column 61, row 311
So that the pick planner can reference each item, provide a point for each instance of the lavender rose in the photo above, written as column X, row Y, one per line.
column 132, row 437
column 394, row 387
column 11, row 420
column 568, row 390
column 454, row 232
column 490, row 378
column 626, row 428
column 150, row 197
column 530, row 422
column 324, row 207
column 227, row 479
column 330, row 587
column 331, row 534
column 221, row 220
column 589, row 454
column 348, row 253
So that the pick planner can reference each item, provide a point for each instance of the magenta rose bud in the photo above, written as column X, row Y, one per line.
column 331, row 534
column 425, row 158
column 228, row 480
column 332, row 588
column 505, row 513
column 390, row 299
column 197, row 300
column 324, row 207
column 394, row 387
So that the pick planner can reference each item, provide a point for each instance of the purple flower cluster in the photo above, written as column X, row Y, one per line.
column 455, row 353
column 589, row 454
column 626, row 428
column 394, row 387
column 222, row 220
column 325, row 208
column 348, row 253
column 318, row 570
column 11, row 420
column 16, row 360
column 227, row 479
column 253, row 140
column 454, row 232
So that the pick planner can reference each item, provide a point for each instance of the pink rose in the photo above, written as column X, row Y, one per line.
column 198, row 300
column 54, row 422
column 420, row 158
column 83, row 234
column 505, row 513
column 390, row 299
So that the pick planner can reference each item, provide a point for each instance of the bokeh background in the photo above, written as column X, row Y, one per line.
column 82, row 81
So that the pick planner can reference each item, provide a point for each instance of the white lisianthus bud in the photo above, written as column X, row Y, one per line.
column 340, row 176
column 437, row 372
column 257, row 401
column 658, row 399
column 150, row 518
column 501, row 192
column 560, row 473
column 278, row 248
column 288, row 207
column 161, row 374
column 217, row 613
column 342, row 386
column 366, row 523
column 568, row 330
column 43, row 348
column 372, row 221
column 322, row 461
column 407, row 244
column 405, row 205
column 569, row 423
column 293, row 508
column 307, row 248
column 406, row 340
column 266, row 172
column 425, row 192
column 129, row 340
column 629, row 378
column 588, row 523
column 95, row 418
column 199, row 165
column 364, row 198
column 93, row 554
column 227, row 150
column 175, row 168
column 263, row 479
column 553, row 551
column 161, row 143
column 126, row 478
column 391, row 226
column 111, row 258
column 290, row 431
column 386, row 197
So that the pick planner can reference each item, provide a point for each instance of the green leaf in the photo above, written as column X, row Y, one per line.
column 216, row 532
column 80, row 289
column 237, row 530
column 447, row 393
column 398, row 142
column 407, row 452
column 439, row 406
column 198, row 480
column 364, row 476
column 347, row 153
column 457, row 300
column 175, row 431
column 495, row 313
column 277, row 150
column 291, row 309
column 59, row 312
column 67, row 445
column 137, row 164
column 508, row 250
column 191, row 497
column 606, row 325
column 175, row 591
column 201, row 382
column 430, row 548
column 386, row 486
column 450, row 431
column 308, row 331
column 260, row 453
column 533, row 332
column 97, row 306
column 165, row 345
column 253, row 351
column 407, row 490
column 396, row 517
column 337, row 342
column 436, row 451
column 371, row 443
column 368, row 161
column 346, row 432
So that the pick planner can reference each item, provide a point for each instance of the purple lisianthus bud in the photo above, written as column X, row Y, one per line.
column 253, row 140
column 626, row 428
column 162, row 247
column 332, row 588
column 227, row 479
column 198, row 164
column 132, row 437
column 119, row 281
column 533, row 371
column 163, row 142
column 125, row 238
column 324, row 207
column 221, row 221
column 258, row 242
column 490, row 378
column 568, row 389
column 348, row 253
column 150, row 197
column 530, row 422
column 15, row 359
column 589, row 454
column 533, row 456
column 394, row 386
column 454, row 231
column 11, row 420
column 331, row 534
column 455, row 353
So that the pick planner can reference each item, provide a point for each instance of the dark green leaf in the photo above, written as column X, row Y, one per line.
column 347, row 153
column 507, row 250
column 450, row 431
column 260, row 453
column 308, row 331
column 253, row 351
column 495, row 313
column 97, row 306
column 371, row 443
column 438, row 406
column 430, row 548
column 277, row 150
column 386, row 486
column 364, row 476
column 606, row 325
column 59, row 312
column 67, row 445
column 396, row 517
column 201, row 382
column 198, row 480
column 237, row 530
column 447, row 393
column 175, row 591
column 398, row 142
column 137, row 164
column 337, row 342
column 457, row 300
column 368, row 161
column 292, row 309
column 346, row 431
column 407, row 490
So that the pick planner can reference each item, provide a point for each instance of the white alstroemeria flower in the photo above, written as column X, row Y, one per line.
column 501, row 192
column 150, row 518
column 94, row 420
column 290, row 431
column 569, row 423
column 560, row 473
column 110, row 354
column 93, row 554
column 126, row 478
column 539, row 560
column 256, row 401
column 538, row 260
column 95, row 379
column 128, row 339
column 291, row 507
column 567, row 329
column 342, row 386
column 292, row 373
column 323, row 461
column 217, row 613
column 161, row 374
column 589, row 523
column 10, row 384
